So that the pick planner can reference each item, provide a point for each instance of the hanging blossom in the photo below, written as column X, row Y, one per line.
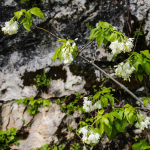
column 118, row 47
column 87, row 105
column 11, row 27
column 145, row 121
column 89, row 136
column 124, row 70
column 67, row 52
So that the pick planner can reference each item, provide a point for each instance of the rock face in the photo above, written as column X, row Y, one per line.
column 31, row 52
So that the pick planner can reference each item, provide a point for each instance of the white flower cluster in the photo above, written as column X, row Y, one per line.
column 67, row 52
column 118, row 47
column 87, row 105
column 143, row 124
column 124, row 70
column 10, row 28
column 89, row 136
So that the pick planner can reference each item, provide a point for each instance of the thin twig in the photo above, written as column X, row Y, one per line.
column 47, row 31
column 142, row 108
column 137, row 37
column 56, row 29
column 146, row 88
column 85, row 46
column 122, row 86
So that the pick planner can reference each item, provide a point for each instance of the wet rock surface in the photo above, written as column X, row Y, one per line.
column 26, row 54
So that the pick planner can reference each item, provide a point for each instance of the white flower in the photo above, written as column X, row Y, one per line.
column 114, row 28
column 118, row 47
column 89, row 136
column 124, row 70
column 87, row 105
column 84, row 130
column 94, row 138
column 67, row 52
column 144, row 123
column 10, row 28
column 76, row 39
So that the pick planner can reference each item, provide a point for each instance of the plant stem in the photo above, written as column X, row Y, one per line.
column 85, row 46
column 56, row 29
column 121, row 85
column 47, row 31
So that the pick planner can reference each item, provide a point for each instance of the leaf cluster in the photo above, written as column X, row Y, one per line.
column 33, row 104
column 115, row 121
column 59, row 52
column 104, row 96
column 141, row 63
column 145, row 100
column 104, row 32
column 8, row 137
column 27, row 16
column 71, row 106
column 142, row 145
column 42, row 80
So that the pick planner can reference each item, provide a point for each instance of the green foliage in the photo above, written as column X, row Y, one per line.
column 104, row 96
column 142, row 145
column 115, row 121
column 24, row 1
column 42, row 80
column 104, row 32
column 75, row 146
column 141, row 63
column 71, row 106
column 88, row 26
column 137, row 32
column 67, row 47
column 33, row 104
column 27, row 16
column 145, row 100
column 44, row 147
column 8, row 137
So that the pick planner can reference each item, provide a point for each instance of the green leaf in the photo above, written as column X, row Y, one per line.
column 93, row 33
column 146, row 53
column 105, row 25
column 60, row 55
column 142, row 145
column 117, row 115
column 101, row 128
column 113, row 133
column 146, row 66
column 56, row 53
column 99, row 39
column 113, row 37
column 120, row 125
column 37, row 12
column 18, row 14
column 108, row 130
column 138, row 60
column 45, row 103
column 140, row 77
column 64, row 40
column 97, row 95
column 45, row 147
column 27, row 22
column 74, row 53
column 104, row 101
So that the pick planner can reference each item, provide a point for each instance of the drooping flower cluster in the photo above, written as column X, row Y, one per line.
column 118, row 47
column 11, row 27
column 87, row 105
column 124, row 70
column 89, row 136
column 144, row 123
column 67, row 52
